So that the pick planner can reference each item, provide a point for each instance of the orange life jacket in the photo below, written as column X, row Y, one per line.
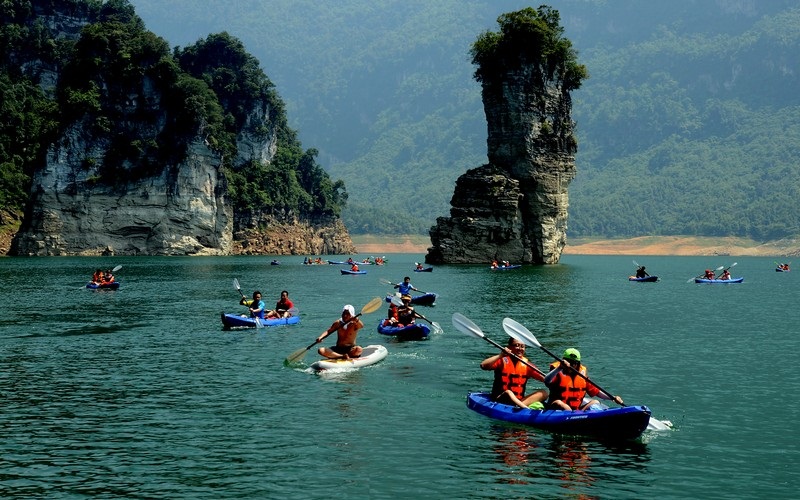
column 569, row 389
column 510, row 376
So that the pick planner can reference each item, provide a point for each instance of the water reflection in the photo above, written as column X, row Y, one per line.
column 575, row 465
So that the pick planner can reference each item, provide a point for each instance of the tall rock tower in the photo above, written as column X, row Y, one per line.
column 515, row 207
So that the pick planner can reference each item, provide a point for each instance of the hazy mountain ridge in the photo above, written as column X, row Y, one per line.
column 685, row 114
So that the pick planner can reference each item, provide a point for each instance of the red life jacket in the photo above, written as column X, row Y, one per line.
column 569, row 389
column 510, row 376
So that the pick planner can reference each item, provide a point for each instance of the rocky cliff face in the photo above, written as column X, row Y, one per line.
column 179, row 208
column 514, row 208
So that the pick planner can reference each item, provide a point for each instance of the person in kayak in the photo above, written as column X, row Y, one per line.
column 511, row 374
column 567, row 388
column 709, row 274
column 281, row 307
column 346, row 329
column 391, row 316
column 257, row 306
column 405, row 313
column 405, row 287
column 354, row 267
column 641, row 273
column 726, row 275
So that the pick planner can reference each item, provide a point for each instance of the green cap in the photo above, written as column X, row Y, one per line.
column 572, row 354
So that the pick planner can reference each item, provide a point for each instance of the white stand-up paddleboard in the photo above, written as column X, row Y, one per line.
column 370, row 355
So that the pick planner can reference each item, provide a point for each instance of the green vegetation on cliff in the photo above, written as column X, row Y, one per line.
column 120, row 84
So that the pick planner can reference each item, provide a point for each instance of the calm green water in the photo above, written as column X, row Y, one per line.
column 140, row 394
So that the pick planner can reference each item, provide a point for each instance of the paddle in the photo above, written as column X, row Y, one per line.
column 116, row 268
column 368, row 308
column 703, row 275
column 387, row 282
column 519, row 332
column 437, row 329
column 463, row 324
column 238, row 288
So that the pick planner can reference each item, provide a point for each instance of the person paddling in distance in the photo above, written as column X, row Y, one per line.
column 567, row 388
column 511, row 374
column 709, row 274
column 726, row 275
column 281, row 307
column 641, row 273
column 346, row 329
column 354, row 267
column 257, row 306
column 405, row 287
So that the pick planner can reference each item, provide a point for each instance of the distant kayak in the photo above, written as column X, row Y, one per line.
column 239, row 321
column 505, row 268
column 732, row 280
column 371, row 354
column 347, row 271
column 426, row 299
column 428, row 269
column 274, row 263
column 646, row 279
column 103, row 286
column 416, row 331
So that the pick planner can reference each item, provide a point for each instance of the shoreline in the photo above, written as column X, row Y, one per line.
column 642, row 245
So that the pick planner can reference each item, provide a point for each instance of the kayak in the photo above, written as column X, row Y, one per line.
column 370, row 355
column 347, row 271
column 274, row 263
column 627, row 422
column 781, row 270
column 505, row 268
column 239, row 321
column 646, row 279
column 732, row 280
column 103, row 286
column 416, row 331
column 426, row 299
column 424, row 270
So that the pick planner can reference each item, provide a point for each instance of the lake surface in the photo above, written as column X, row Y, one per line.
column 139, row 393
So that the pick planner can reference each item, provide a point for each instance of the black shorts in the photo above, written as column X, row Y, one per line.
column 342, row 349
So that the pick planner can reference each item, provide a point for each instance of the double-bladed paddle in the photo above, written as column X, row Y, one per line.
column 464, row 325
column 519, row 332
column 387, row 282
column 368, row 308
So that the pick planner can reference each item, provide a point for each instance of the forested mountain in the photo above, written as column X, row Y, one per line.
column 688, row 123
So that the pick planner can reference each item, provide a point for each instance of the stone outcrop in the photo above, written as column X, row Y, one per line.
column 293, row 238
column 179, row 207
column 515, row 207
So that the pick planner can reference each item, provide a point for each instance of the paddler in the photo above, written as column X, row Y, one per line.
column 511, row 373
column 567, row 388
column 346, row 329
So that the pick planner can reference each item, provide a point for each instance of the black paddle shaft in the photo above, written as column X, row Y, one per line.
column 487, row 339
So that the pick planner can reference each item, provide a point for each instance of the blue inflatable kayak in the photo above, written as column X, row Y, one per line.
column 505, row 268
column 732, row 280
column 103, row 286
column 416, row 331
column 347, row 271
column 426, row 299
column 627, row 422
column 646, row 279
column 239, row 321
column 423, row 270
